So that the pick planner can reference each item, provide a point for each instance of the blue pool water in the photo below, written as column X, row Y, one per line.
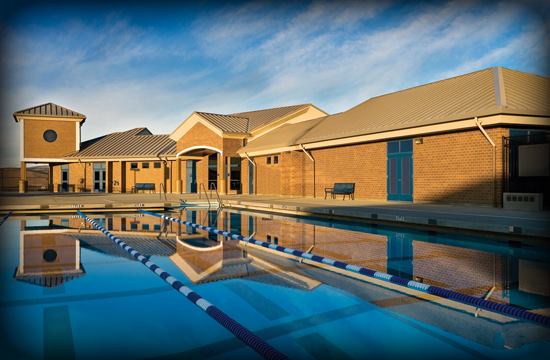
column 68, row 292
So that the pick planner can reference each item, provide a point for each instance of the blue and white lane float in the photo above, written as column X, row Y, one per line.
column 504, row 309
column 5, row 218
column 242, row 333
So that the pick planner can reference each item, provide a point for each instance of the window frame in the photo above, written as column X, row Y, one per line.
column 145, row 165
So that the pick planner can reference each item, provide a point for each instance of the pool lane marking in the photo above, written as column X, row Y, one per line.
column 5, row 218
column 504, row 309
column 242, row 333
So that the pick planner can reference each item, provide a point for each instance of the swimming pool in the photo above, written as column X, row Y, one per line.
column 68, row 291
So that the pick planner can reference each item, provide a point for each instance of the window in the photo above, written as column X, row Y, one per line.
column 50, row 135
column 145, row 227
column 145, row 165
column 133, row 166
column 156, row 164
column 275, row 159
column 156, row 227
column 268, row 238
column 276, row 240
column 268, row 160
column 133, row 226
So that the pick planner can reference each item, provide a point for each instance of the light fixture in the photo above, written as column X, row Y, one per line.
column 419, row 140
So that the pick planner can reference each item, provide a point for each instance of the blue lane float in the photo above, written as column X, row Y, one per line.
column 246, row 336
column 504, row 309
column 5, row 218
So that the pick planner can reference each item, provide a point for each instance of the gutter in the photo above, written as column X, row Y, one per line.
column 312, row 159
column 493, row 145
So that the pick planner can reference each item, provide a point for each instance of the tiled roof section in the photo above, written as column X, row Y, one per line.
column 259, row 118
column 138, row 142
column 480, row 93
column 286, row 135
column 227, row 123
column 50, row 109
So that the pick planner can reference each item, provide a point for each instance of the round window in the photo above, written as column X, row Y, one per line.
column 50, row 135
column 49, row 255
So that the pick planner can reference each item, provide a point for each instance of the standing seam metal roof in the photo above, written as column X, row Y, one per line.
column 245, row 122
column 138, row 142
column 49, row 109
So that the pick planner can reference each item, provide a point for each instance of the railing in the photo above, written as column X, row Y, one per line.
column 213, row 186
column 201, row 187
column 162, row 190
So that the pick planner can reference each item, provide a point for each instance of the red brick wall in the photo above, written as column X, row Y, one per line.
column 458, row 167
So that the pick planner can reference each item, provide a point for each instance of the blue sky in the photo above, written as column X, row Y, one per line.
column 126, row 66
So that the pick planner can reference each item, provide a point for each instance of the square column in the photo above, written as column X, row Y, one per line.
column 23, row 178
column 178, row 176
column 221, row 174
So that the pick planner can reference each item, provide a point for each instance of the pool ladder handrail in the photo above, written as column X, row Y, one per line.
column 203, row 188
column 212, row 186
column 162, row 190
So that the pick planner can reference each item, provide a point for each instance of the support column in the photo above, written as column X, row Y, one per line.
column 178, row 175
column 108, row 177
column 221, row 173
column 50, row 177
column 122, row 176
column 23, row 178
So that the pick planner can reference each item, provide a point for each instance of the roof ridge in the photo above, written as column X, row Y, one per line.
column 278, row 107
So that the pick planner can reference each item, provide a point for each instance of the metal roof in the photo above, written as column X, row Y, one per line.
column 486, row 92
column 226, row 123
column 259, row 118
column 286, row 135
column 245, row 122
column 49, row 110
column 138, row 142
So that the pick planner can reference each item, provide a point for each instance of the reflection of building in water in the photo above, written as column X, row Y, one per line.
column 203, row 260
column 48, row 258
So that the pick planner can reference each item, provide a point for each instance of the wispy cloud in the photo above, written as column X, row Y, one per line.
column 128, row 69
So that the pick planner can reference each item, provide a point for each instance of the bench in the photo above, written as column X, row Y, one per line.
column 143, row 186
column 341, row 189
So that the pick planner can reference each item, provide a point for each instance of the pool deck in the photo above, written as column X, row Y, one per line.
column 451, row 216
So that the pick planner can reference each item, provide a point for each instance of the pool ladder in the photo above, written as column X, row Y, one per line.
column 212, row 187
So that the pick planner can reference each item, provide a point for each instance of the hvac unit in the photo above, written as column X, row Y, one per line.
column 522, row 201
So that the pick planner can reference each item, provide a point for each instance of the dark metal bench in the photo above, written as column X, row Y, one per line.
column 341, row 189
column 143, row 186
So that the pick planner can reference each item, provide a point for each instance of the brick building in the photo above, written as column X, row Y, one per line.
column 446, row 141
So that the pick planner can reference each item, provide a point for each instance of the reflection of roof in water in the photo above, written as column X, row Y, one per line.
column 147, row 245
column 203, row 265
column 49, row 280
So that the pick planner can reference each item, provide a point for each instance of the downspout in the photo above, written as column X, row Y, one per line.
column 478, row 123
column 312, row 159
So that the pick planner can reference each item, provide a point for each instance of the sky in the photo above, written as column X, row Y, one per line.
column 125, row 65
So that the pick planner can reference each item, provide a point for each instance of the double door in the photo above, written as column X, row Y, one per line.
column 400, row 170
column 99, row 177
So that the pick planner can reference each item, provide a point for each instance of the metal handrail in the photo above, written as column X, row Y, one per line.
column 162, row 190
column 205, row 194
column 213, row 186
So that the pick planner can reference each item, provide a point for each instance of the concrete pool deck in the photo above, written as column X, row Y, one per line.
column 451, row 216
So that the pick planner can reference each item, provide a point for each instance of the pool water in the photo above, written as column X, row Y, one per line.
column 69, row 292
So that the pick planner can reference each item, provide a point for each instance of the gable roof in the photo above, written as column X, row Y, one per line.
column 49, row 110
column 226, row 123
column 138, row 142
column 259, row 118
column 482, row 93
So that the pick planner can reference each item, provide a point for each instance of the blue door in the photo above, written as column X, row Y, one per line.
column 250, row 178
column 400, row 170
column 191, row 176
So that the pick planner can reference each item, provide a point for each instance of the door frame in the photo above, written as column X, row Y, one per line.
column 401, row 153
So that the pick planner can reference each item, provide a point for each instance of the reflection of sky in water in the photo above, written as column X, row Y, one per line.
column 297, row 308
